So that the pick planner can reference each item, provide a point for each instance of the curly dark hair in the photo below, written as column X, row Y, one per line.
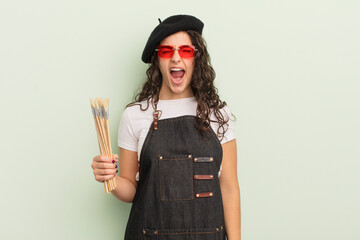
column 202, row 85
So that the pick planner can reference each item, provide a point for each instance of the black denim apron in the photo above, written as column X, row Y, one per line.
column 178, row 194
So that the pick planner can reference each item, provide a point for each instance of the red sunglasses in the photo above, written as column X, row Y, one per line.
column 167, row 51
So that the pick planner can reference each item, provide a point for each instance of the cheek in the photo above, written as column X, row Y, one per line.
column 163, row 68
column 190, row 66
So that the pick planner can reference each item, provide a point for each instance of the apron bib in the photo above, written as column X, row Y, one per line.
column 178, row 194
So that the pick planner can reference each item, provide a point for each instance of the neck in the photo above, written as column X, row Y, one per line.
column 172, row 96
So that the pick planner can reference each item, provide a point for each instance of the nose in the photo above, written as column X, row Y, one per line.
column 176, row 57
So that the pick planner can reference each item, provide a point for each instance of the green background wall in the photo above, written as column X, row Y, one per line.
column 289, row 70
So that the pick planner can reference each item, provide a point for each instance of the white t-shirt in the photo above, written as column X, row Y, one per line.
column 135, row 123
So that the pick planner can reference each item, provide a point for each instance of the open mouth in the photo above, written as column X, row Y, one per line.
column 177, row 75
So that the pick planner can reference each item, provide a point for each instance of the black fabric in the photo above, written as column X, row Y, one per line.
column 165, row 205
column 167, row 27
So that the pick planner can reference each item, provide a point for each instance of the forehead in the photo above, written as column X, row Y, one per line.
column 177, row 39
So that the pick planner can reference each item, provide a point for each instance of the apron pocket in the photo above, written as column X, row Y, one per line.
column 176, row 178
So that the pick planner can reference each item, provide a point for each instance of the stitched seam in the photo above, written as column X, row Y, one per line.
column 181, row 233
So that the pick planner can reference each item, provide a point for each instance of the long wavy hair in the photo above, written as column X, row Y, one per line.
column 202, row 85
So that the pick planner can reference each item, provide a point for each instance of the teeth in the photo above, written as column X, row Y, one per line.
column 176, row 69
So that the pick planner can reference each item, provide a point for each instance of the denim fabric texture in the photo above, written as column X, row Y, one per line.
column 166, row 205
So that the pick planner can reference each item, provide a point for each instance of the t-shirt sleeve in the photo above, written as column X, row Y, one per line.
column 228, row 128
column 230, row 133
column 126, row 136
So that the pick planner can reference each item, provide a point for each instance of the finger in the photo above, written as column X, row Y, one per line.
column 104, row 165
column 105, row 171
column 103, row 178
column 115, row 158
column 102, row 158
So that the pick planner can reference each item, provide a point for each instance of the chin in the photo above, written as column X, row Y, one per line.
column 178, row 90
column 181, row 87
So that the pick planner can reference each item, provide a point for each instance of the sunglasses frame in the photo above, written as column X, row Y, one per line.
column 173, row 50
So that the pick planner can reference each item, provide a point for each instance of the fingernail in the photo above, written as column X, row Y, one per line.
column 117, row 170
column 114, row 175
column 113, row 161
column 115, row 166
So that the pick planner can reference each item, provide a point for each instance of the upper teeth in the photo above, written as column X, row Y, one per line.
column 176, row 69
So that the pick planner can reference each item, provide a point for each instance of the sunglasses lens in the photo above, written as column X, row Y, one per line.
column 168, row 51
column 186, row 52
column 165, row 52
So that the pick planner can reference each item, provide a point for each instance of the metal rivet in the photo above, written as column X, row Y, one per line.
column 211, row 159
column 211, row 194
column 144, row 231
column 190, row 156
column 197, row 195
column 160, row 157
column 155, row 232
column 211, row 176
column 217, row 229
column 195, row 159
column 221, row 227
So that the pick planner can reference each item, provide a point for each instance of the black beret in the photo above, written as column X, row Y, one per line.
column 167, row 27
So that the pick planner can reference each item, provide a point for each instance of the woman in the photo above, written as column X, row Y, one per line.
column 177, row 144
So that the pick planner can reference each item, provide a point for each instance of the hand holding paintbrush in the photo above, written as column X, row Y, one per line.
column 104, row 168
column 103, row 165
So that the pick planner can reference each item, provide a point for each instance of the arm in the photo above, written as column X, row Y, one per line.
column 126, row 183
column 230, row 191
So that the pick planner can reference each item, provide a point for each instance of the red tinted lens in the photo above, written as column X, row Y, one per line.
column 186, row 52
column 165, row 51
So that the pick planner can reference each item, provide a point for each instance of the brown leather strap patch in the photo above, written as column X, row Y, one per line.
column 205, row 194
column 203, row 177
column 156, row 118
column 203, row 159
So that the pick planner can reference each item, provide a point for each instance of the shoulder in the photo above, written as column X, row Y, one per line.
column 134, row 120
column 138, row 111
column 138, row 107
column 224, row 113
column 226, row 132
